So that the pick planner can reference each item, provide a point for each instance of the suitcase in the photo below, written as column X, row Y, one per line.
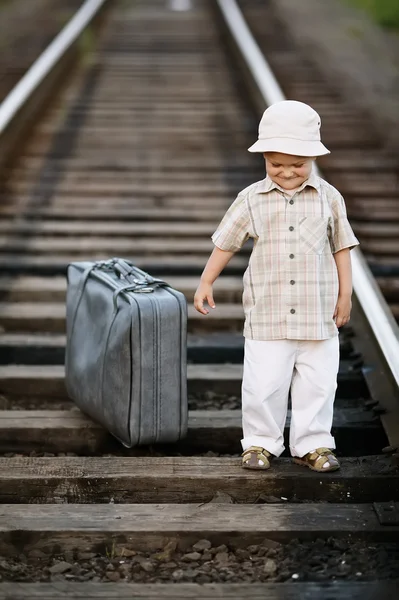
column 126, row 352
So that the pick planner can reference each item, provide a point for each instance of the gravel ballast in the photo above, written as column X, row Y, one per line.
column 317, row 561
column 207, row 400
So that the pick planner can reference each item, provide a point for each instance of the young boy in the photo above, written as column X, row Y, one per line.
column 297, row 291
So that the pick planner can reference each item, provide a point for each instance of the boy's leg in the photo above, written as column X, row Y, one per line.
column 312, row 395
column 268, row 367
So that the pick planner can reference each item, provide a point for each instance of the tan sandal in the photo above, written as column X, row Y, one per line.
column 256, row 457
column 316, row 460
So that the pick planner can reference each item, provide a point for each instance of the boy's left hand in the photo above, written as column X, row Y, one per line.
column 342, row 311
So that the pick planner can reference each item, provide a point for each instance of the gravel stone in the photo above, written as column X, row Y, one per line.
column 340, row 545
column 191, row 573
column 167, row 553
column 77, row 569
column 344, row 569
column 222, row 548
column 317, row 561
column 69, row 556
column 86, row 555
column 113, row 575
column 267, row 499
column 147, row 565
column 207, row 556
column 124, row 569
column 210, row 400
column 128, row 553
column 60, row 567
column 202, row 545
column 178, row 574
column 191, row 556
column 270, row 567
column 222, row 558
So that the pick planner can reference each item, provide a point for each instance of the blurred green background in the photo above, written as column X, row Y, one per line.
column 385, row 12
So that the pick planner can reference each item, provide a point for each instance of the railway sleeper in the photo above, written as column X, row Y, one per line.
column 56, row 528
column 181, row 479
column 356, row 433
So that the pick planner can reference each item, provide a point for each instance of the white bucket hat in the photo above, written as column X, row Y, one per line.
column 290, row 127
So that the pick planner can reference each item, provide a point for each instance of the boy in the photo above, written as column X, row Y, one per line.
column 297, row 291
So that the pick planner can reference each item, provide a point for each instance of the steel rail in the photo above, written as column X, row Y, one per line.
column 42, row 67
column 374, row 306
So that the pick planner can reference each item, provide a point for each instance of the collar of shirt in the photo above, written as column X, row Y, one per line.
column 267, row 184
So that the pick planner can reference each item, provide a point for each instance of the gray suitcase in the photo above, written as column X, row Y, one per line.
column 126, row 354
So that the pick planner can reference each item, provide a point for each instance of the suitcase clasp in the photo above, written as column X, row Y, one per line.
column 142, row 290
column 141, row 287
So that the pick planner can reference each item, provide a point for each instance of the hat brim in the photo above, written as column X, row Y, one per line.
column 289, row 146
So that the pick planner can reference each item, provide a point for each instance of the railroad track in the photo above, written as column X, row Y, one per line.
column 140, row 156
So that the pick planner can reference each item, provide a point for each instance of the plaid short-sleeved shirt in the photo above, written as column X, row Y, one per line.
column 291, row 283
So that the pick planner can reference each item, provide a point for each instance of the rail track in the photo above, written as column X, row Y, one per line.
column 139, row 156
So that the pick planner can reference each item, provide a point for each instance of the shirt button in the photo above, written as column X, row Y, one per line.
column 292, row 311
column 292, row 255
column 292, row 282
column 291, row 228
column 291, row 202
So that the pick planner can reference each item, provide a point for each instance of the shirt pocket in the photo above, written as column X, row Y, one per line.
column 313, row 234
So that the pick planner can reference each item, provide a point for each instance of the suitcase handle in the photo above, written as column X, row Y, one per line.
column 124, row 269
column 135, row 276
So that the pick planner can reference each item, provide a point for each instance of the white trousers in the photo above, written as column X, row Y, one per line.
column 271, row 369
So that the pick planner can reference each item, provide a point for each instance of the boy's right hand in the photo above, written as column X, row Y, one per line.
column 204, row 292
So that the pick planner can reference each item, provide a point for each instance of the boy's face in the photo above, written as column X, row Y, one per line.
column 288, row 171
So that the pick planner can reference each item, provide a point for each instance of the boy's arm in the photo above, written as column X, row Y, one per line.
column 343, row 307
column 215, row 265
column 230, row 236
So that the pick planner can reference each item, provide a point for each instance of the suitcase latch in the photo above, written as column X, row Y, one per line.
column 142, row 290
column 141, row 287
